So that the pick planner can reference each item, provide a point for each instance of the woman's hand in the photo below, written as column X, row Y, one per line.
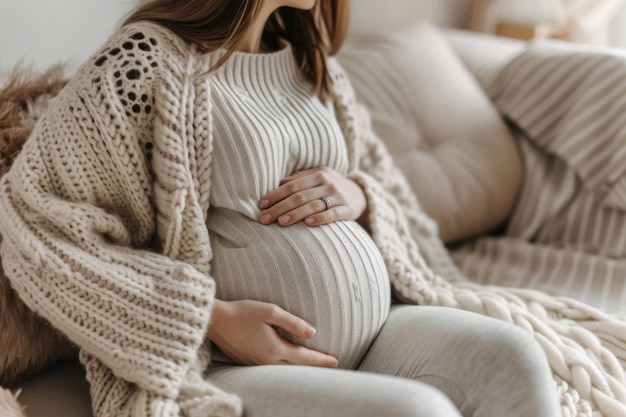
column 300, row 197
column 246, row 332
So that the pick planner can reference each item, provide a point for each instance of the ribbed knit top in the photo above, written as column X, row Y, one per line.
column 267, row 125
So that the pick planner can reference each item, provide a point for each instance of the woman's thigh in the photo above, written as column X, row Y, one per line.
column 485, row 366
column 298, row 391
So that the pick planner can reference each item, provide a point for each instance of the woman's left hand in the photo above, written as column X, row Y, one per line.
column 301, row 195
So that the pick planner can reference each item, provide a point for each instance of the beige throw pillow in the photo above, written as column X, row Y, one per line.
column 439, row 125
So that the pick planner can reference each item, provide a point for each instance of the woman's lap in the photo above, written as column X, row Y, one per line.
column 422, row 358
column 290, row 391
column 485, row 366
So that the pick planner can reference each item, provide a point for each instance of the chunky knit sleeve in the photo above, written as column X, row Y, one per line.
column 79, row 239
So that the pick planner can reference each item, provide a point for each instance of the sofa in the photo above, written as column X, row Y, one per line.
column 468, row 156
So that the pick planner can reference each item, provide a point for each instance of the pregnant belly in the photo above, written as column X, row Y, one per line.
column 331, row 276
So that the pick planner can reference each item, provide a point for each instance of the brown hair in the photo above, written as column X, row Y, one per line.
column 213, row 24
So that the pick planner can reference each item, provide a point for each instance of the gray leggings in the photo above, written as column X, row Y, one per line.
column 425, row 362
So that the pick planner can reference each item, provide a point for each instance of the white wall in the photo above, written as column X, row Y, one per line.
column 45, row 32
column 618, row 29
column 382, row 14
column 372, row 15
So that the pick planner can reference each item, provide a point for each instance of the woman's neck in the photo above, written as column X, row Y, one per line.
column 252, row 40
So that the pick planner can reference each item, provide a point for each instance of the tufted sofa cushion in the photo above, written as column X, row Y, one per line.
column 439, row 125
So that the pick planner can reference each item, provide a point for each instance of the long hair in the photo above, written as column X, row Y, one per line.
column 221, row 24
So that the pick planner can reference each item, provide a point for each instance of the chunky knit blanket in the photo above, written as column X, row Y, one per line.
column 104, row 235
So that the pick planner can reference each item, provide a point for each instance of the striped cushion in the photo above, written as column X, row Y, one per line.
column 567, row 232
column 571, row 101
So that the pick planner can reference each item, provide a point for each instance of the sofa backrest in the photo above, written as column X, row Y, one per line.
column 379, row 15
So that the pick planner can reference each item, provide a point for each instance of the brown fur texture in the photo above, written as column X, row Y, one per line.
column 28, row 344
column 23, row 99
column 9, row 407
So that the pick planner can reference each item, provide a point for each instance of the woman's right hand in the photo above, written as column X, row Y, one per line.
column 245, row 331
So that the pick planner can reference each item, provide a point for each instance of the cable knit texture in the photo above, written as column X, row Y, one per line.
column 105, row 236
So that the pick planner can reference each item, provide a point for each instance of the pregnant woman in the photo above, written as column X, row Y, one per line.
column 203, row 195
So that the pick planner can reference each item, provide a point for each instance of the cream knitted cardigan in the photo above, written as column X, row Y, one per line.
column 103, row 233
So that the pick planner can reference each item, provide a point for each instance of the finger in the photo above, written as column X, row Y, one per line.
column 296, row 207
column 289, row 323
column 289, row 189
column 300, row 355
column 328, row 216
column 315, row 206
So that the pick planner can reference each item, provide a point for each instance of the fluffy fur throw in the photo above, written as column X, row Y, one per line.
column 23, row 99
column 28, row 344
column 9, row 407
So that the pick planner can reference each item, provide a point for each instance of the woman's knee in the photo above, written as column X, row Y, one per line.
column 518, row 367
column 494, row 347
column 484, row 365
column 509, row 372
column 468, row 337
column 510, row 346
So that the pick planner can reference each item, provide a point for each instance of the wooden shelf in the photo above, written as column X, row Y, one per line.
column 528, row 32
column 478, row 12
column 479, row 20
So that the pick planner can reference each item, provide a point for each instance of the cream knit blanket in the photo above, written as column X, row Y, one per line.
column 124, row 156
